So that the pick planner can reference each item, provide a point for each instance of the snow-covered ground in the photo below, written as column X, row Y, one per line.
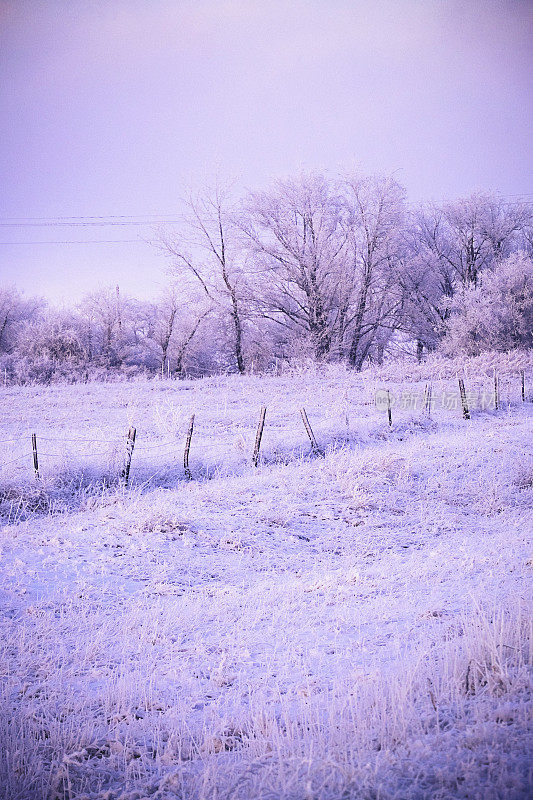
column 355, row 624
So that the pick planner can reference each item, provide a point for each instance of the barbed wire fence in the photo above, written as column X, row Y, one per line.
column 122, row 449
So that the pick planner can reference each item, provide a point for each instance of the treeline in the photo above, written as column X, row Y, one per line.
column 313, row 268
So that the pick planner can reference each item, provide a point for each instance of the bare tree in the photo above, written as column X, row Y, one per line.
column 177, row 317
column 299, row 249
column 15, row 310
column 464, row 237
column 166, row 312
column 374, row 220
column 108, row 315
column 451, row 246
column 55, row 336
column 208, row 250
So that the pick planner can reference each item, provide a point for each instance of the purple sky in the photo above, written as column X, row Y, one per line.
column 120, row 107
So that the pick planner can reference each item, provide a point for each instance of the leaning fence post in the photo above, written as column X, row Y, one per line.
column 258, row 436
column 466, row 412
column 130, row 444
column 187, row 448
column 314, row 446
column 523, row 382
column 35, row 456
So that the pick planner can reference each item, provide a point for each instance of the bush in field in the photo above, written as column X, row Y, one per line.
column 497, row 313
column 15, row 312
column 53, row 337
column 48, row 347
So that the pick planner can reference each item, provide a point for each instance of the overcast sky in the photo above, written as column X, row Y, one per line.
column 120, row 107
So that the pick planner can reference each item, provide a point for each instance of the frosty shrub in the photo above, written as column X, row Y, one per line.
column 497, row 313
column 48, row 347
column 53, row 337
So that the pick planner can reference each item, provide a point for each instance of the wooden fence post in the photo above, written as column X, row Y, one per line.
column 389, row 410
column 523, row 382
column 427, row 399
column 496, row 392
column 258, row 436
column 130, row 444
column 314, row 446
column 187, row 448
column 466, row 412
column 35, row 456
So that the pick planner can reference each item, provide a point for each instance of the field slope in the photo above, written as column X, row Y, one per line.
column 352, row 624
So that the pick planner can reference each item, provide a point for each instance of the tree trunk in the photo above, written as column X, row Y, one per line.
column 321, row 335
column 2, row 329
column 362, row 354
column 353, row 356
column 167, row 337
column 239, row 355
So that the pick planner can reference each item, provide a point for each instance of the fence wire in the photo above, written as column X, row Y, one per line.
column 238, row 436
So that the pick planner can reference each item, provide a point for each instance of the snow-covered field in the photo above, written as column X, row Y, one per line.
column 355, row 624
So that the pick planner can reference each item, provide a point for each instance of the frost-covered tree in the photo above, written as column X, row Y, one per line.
column 177, row 319
column 375, row 220
column 302, row 265
column 165, row 318
column 467, row 236
column 15, row 310
column 497, row 313
column 427, row 296
column 106, row 314
column 451, row 246
column 55, row 336
column 49, row 346
column 208, row 249
column 329, row 256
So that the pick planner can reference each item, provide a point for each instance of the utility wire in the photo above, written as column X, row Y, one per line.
column 73, row 217
column 85, row 224
column 147, row 217
column 150, row 219
column 81, row 241
column 111, row 220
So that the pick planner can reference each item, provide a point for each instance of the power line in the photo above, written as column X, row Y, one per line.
column 111, row 220
column 54, row 224
column 518, row 194
column 88, row 216
column 82, row 241
column 147, row 219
